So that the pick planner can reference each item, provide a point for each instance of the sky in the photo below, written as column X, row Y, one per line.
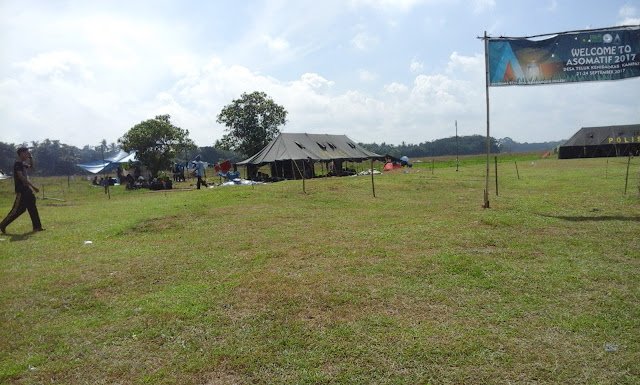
column 376, row 70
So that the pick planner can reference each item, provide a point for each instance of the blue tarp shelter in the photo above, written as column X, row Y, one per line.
column 109, row 164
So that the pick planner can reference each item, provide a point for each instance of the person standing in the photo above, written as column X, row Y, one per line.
column 25, row 199
column 120, row 174
column 200, row 173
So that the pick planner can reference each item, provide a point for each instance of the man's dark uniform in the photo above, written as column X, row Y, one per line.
column 25, row 200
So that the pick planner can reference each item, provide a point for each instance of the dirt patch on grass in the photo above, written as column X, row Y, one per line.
column 223, row 377
column 157, row 224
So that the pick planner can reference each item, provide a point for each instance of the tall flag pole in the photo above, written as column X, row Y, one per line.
column 486, row 76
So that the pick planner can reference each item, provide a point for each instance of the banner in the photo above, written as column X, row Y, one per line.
column 582, row 56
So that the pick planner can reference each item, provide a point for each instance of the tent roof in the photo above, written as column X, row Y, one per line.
column 595, row 136
column 110, row 163
column 318, row 147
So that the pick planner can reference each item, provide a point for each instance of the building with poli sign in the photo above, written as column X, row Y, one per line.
column 607, row 141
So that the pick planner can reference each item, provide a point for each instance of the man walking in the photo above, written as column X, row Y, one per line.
column 200, row 172
column 25, row 199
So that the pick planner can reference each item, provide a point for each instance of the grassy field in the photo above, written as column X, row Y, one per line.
column 269, row 285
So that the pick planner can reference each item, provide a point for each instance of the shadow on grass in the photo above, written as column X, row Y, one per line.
column 18, row 237
column 599, row 218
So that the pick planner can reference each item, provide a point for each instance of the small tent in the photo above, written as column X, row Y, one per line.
column 292, row 155
column 607, row 141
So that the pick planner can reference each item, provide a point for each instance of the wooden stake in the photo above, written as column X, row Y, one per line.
column 373, row 186
column 626, row 179
column 495, row 158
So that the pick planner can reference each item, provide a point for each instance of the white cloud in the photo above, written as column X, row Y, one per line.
column 416, row 66
column 57, row 65
column 276, row 44
column 627, row 11
column 367, row 76
column 364, row 41
column 96, row 73
column 467, row 64
column 628, row 15
column 316, row 81
column 182, row 64
column 388, row 5
column 396, row 88
column 420, row 110
column 63, row 105
column 483, row 5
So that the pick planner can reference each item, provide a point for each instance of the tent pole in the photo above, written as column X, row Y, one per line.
column 496, row 163
column 104, row 180
column 373, row 186
column 626, row 179
column 186, row 164
column 457, row 160
column 301, row 172
column 486, row 82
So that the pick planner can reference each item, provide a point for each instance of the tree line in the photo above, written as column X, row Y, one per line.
column 55, row 158
column 462, row 145
column 251, row 122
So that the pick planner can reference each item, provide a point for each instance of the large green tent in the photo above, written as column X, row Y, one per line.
column 292, row 155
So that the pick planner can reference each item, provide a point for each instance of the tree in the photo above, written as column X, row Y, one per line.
column 157, row 143
column 7, row 157
column 54, row 158
column 216, row 154
column 252, row 122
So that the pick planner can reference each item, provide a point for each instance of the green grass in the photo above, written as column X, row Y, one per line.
column 266, row 284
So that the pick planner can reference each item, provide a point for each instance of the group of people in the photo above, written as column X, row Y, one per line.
column 26, row 200
column 103, row 181
column 178, row 173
